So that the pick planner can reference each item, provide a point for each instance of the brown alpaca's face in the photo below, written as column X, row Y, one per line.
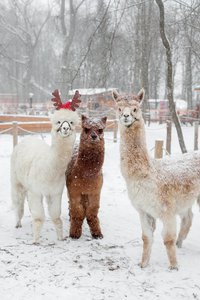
column 129, row 110
column 93, row 129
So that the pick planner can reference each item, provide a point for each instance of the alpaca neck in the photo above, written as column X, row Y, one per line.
column 61, row 151
column 134, row 155
column 90, row 159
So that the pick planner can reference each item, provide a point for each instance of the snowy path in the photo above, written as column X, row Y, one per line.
column 94, row 269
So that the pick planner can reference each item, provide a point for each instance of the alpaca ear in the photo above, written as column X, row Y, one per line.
column 115, row 95
column 104, row 119
column 83, row 118
column 140, row 95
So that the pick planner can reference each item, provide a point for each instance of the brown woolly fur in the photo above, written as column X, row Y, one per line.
column 84, row 178
column 158, row 188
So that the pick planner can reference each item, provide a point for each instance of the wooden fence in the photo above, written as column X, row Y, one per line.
column 21, row 128
column 159, row 149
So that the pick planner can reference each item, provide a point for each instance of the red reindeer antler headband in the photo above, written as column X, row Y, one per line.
column 70, row 104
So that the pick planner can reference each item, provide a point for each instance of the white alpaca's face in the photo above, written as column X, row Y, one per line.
column 64, row 122
column 129, row 110
column 64, row 128
column 129, row 113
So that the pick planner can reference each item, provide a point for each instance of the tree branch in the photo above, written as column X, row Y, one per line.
column 62, row 17
column 90, row 43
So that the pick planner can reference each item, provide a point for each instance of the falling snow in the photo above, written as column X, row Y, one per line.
column 94, row 269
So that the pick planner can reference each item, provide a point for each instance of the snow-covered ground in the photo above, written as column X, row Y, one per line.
column 94, row 269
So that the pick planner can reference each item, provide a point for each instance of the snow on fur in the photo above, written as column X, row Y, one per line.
column 158, row 189
column 37, row 171
column 84, row 178
column 88, row 268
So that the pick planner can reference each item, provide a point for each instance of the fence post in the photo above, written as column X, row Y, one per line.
column 169, row 136
column 15, row 133
column 196, row 135
column 115, row 131
column 158, row 149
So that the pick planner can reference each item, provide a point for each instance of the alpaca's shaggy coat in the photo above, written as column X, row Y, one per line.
column 157, row 188
column 84, row 178
column 38, row 170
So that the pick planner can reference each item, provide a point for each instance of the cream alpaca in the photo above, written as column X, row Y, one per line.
column 160, row 188
column 38, row 170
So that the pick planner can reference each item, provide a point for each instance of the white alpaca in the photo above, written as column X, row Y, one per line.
column 37, row 171
column 161, row 188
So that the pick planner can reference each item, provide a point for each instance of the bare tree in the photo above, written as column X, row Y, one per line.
column 68, row 37
column 169, row 83
column 26, row 32
column 146, row 23
column 116, row 45
column 170, row 94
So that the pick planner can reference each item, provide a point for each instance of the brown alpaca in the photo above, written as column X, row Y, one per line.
column 84, row 178
column 158, row 188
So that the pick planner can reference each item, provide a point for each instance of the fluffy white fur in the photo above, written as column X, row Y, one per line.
column 38, row 170
column 160, row 188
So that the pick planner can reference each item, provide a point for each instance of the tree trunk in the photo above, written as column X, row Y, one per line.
column 137, row 55
column 68, row 40
column 189, row 77
column 169, row 82
column 146, row 17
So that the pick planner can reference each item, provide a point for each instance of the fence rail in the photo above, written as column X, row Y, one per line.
column 21, row 128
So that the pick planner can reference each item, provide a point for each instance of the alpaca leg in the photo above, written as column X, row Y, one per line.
column 37, row 213
column 18, row 196
column 77, row 215
column 148, row 224
column 198, row 200
column 169, row 237
column 54, row 208
column 92, row 209
column 186, row 222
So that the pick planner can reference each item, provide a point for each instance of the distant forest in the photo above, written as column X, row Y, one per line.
column 97, row 44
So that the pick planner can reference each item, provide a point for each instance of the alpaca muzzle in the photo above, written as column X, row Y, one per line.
column 127, row 121
column 64, row 129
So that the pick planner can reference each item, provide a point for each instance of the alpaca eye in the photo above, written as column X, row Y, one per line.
column 86, row 130
column 120, row 109
column 58, row 122
column 100, row 131
column 135, row 110
column 71, row 123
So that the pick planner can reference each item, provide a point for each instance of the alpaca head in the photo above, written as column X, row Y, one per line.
column 64, row 122
column 65, row 117
column 92, row 130
column 129, row 107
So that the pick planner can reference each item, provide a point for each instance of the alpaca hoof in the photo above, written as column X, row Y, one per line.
column 75, row 236
column 36, row 243
column 18, row 225
column 171, row 268
column 97, row 236
column 179, row 243
column 143, row 265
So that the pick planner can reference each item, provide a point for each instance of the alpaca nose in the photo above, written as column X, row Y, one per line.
column 94, row 136
column 126, row 115
column 65, row 128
